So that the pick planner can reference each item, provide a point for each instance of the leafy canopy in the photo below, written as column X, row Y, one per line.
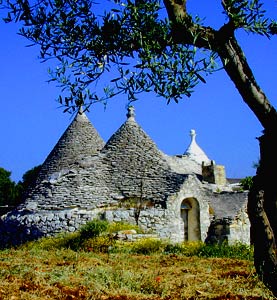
column 8, row 189
column 12, row 193
column 130, row 45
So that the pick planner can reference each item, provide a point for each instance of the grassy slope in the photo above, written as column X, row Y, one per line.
column 65, row 274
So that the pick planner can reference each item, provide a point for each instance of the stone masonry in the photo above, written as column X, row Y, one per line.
column 127, row 179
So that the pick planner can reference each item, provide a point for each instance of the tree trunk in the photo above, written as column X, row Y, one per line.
column 262, row 211
column 262, row 199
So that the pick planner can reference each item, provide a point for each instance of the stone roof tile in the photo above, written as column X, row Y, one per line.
column 228, row 204
column 137, row 165
column 79, row 140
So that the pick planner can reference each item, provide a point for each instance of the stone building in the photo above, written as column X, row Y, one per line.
column 181, row 198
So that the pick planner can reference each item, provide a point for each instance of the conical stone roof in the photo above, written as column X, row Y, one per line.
column 132, row 141
column 137, row 166
column 79, row 140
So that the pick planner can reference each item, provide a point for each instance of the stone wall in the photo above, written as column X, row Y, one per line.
column 129, row 179
column 229, row 230
column 32, row 221
column 240, row 229
column 22, row 227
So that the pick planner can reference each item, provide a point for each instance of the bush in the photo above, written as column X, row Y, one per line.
column 185, row 248
column 99, row 244
column 97, row 236
column 75, row 241
column 246, row 183
column 93, row 229
column 72, row 241
column 119, row 226
column 60, row 241
column 147, row 246
column 200, row 249
column 237, row 251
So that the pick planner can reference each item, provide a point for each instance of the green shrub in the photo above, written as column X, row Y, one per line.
column 119, row 226
column 200, row 249
column 60, row 241
column 97, row 236
column 147, row 246
column 237, row 251
column 99, row 244
column 246, row 183
column 93, row 229
column 72, row 241
column 185, row 248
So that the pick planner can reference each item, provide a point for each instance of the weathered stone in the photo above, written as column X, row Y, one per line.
column 129, row 180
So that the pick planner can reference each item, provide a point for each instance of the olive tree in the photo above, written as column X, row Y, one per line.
column 137, row 46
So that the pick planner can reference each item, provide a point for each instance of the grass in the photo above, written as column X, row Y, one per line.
column 98, row 268
column 67, row 274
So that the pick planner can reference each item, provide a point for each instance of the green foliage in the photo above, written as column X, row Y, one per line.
column 99, row 244
column 146, row 246
column 249, row 15
column 186, row 248
column 79, row 240
column 60, row 241
column 93, row 228
column 29, row 178
column 199, row 249
column 246, row 183
column 12, row 193
column 130, row 38
column 72, row 241
column 237, row 251
column 114, row 227
column 96, row 236
column 9, row 192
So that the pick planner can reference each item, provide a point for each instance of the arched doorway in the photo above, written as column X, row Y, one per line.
column 191, row 218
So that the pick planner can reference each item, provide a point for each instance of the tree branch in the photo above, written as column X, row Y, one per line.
column 184, row 30
column 237, row 68
column 223, row 42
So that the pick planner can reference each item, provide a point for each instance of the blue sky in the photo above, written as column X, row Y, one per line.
column 32, row 122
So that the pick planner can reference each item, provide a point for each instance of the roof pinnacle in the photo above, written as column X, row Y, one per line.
column 192, row 134
column 131, row 113
column 194, row 151
column 80, row 110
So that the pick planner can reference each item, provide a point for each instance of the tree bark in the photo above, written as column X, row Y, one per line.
column 262, row 204
column 262, row 199
column 236, row 66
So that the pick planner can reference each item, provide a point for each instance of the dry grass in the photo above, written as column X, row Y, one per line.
column 64, row 274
